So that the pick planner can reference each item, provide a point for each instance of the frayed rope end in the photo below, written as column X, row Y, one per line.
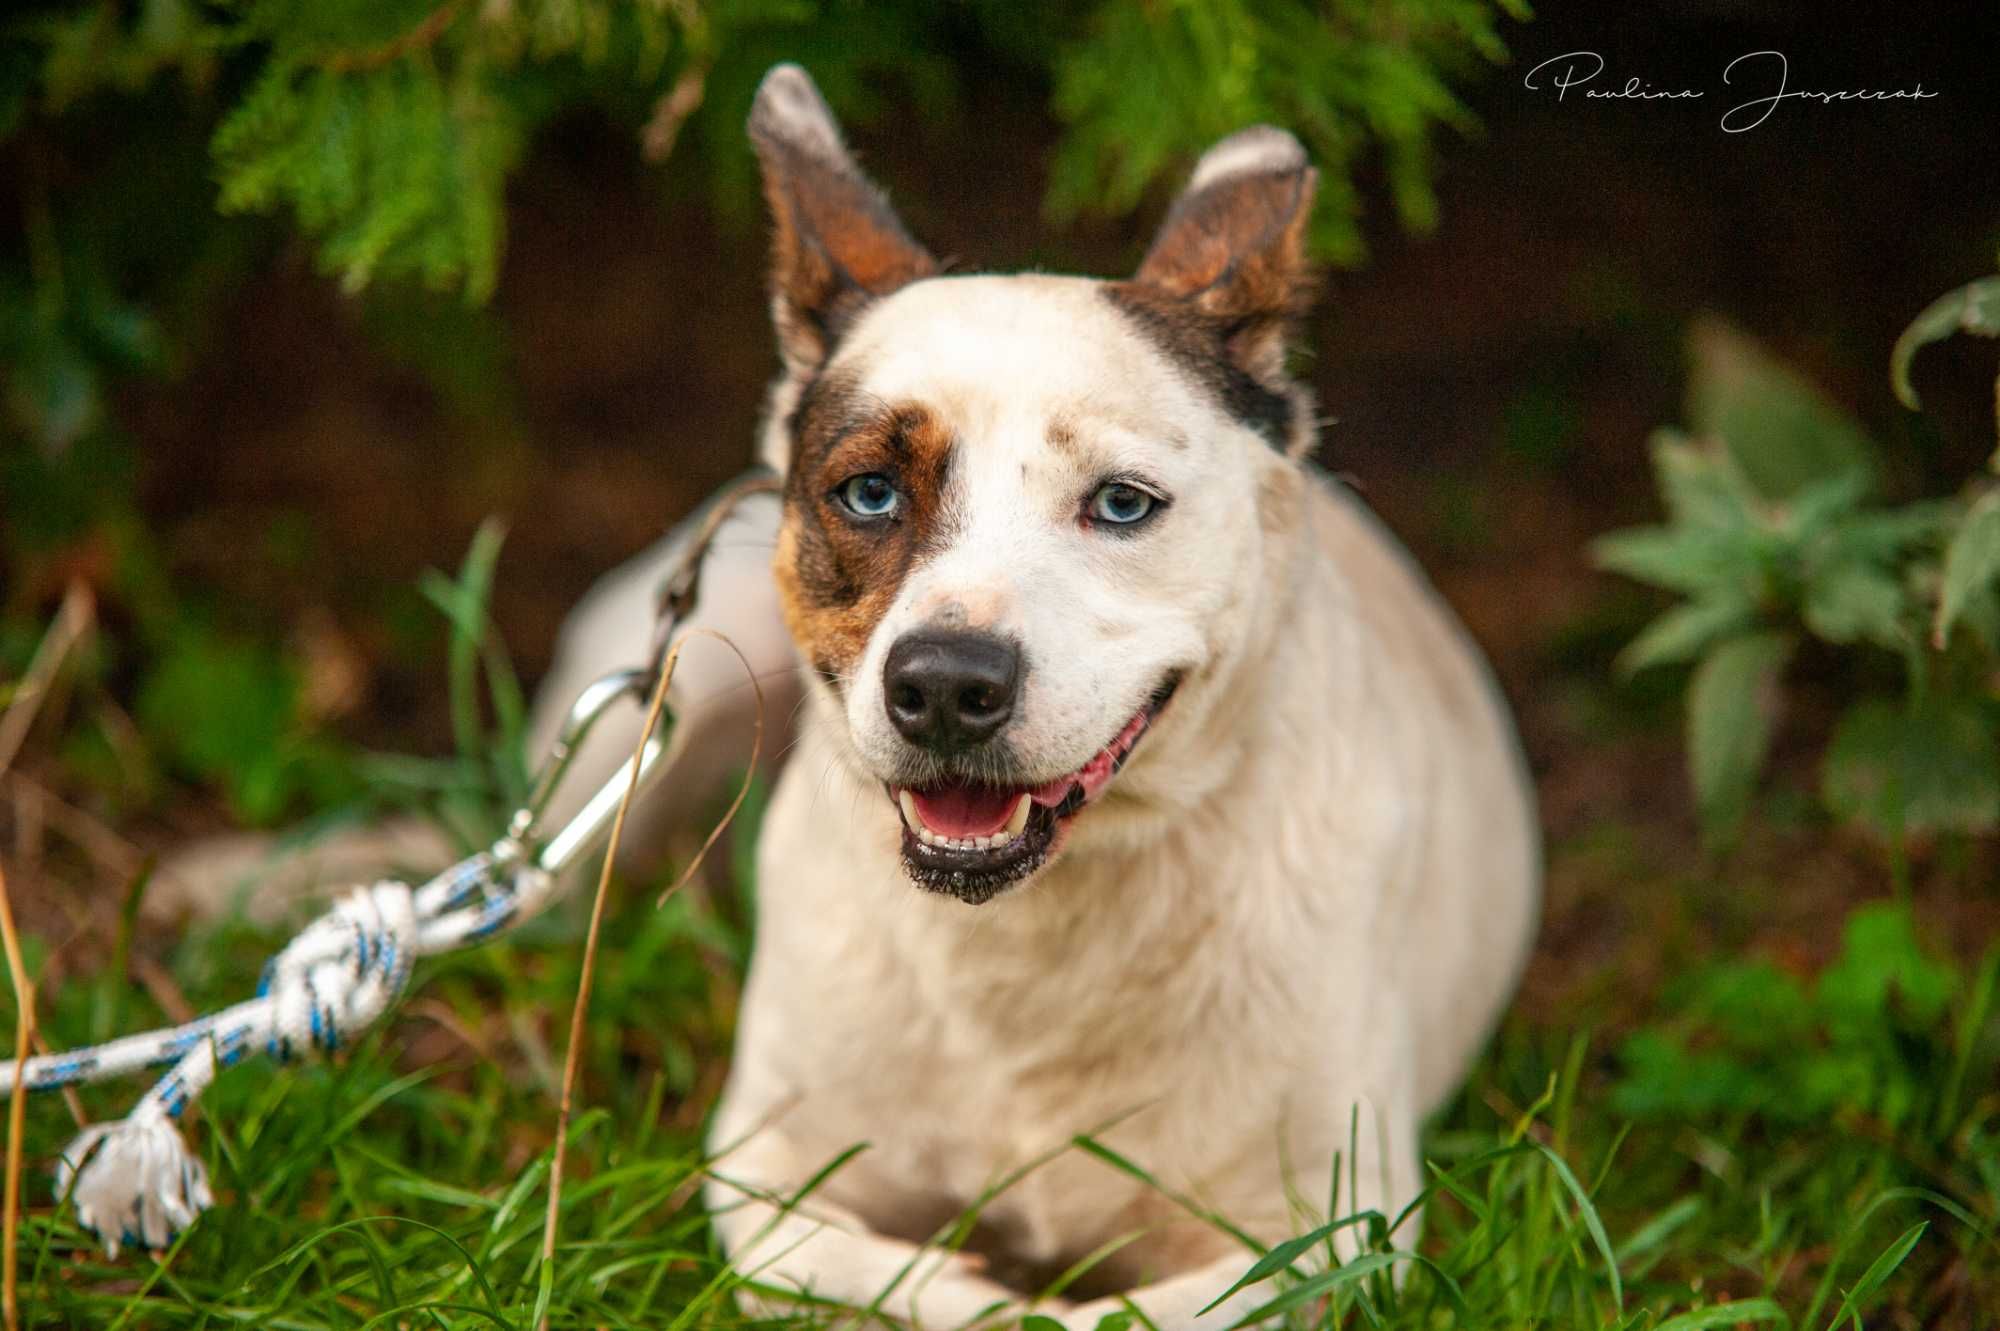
column 134, row 1181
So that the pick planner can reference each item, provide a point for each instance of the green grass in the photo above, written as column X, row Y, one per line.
column 1758, row 1142
column 405, row 1185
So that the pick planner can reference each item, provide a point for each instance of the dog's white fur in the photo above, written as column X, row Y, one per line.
column 1276, row 941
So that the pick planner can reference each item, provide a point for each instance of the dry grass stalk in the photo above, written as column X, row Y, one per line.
column 24, row 1034
column 580, row 1009
column 71, row 622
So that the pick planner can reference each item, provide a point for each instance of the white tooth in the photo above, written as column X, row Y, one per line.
column 983, row 843
column 924, row 835
column 909, row 806
column 1018, row 823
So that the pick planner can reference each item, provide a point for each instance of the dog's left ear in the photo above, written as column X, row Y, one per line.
column 838, row 244
column 1233, row 248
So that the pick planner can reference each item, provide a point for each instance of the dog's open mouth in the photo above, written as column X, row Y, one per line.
column 971, row 840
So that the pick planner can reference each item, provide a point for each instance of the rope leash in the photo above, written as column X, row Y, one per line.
column 133, row 1180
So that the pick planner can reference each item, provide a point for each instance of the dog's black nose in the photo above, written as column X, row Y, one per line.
column 948, row 691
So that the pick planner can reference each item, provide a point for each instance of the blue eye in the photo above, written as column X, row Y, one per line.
column 871, row 495
column 1121, row 505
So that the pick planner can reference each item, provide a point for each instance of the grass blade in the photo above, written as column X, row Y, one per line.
column 1324, row 1283
column 1591, row 1220
column 1283, row 1255
column 1725, row 1314
column 1878, row 1271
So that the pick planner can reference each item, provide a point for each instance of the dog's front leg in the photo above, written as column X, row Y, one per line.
column 829, row 1252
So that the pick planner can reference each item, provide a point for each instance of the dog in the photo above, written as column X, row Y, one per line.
column 1143, row 789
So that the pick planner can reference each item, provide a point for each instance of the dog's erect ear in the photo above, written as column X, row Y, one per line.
column 838, row 245
column 1234, row 245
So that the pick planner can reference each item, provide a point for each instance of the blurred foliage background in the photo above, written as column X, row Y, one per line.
column 295, row 297
column 165, row 157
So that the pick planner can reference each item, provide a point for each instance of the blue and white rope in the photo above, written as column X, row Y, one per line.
column 133, row 1180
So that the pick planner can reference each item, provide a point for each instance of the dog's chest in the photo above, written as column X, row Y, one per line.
column 987, row 1112
column 970, row 1048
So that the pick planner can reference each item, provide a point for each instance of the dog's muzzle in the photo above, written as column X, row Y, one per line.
column 972, row 838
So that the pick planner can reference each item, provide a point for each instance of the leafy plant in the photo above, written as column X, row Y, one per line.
column 1341, row 76
column 227, row 710
column 389, row 127
column 1776, row 535
column 1973, row 308
column 1870, row 1035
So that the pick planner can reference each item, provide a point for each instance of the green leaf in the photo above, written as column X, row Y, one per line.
column 1753, row 1003
column 1684, row 632
column 1732, row 704
column 1692, row 560
column 1281, row 1257
column 1973, row 308
column 1823, row 503
column 1878, row 535
column 1348, row 80
column 1855, row 602
column 1971, row 563
column 1878, row 1271
column 1881, row 956
column 1701, row 484
column 1655, row 1232
column 225, row 710
column 1929, row 768
column 1317, row 1286
column 1778, row 428
column 397, row 169
column 1726, row 1314
column 1591, row 1220
column 1037, row 1322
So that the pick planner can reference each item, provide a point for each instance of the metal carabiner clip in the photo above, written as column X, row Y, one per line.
column 557, row 851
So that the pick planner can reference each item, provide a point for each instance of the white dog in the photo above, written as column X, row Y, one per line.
column 1143, row 789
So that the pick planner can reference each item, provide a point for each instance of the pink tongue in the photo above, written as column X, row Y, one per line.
column 964, row 811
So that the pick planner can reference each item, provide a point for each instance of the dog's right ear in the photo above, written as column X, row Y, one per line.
column 838, row 245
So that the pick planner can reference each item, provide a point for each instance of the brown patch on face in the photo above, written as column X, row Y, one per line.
column 1062, row 438
column 838, row 574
